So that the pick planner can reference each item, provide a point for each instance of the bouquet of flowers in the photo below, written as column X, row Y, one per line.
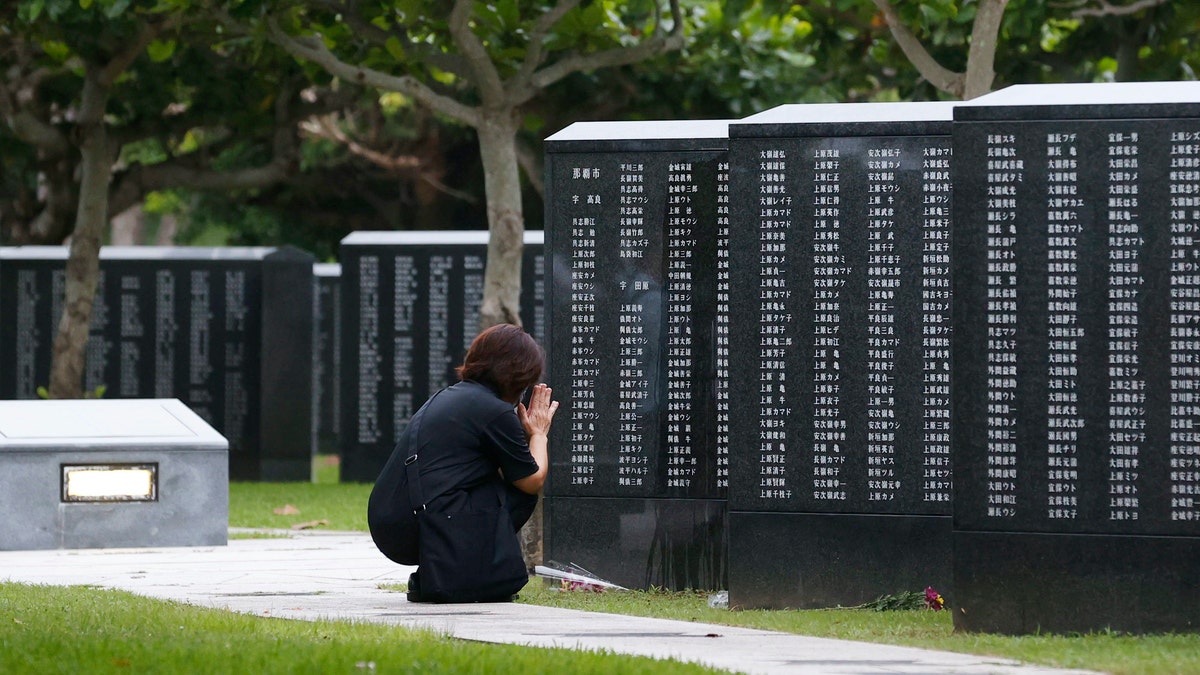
column 572, row 577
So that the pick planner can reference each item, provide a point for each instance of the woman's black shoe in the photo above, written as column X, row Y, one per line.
column 414, row 588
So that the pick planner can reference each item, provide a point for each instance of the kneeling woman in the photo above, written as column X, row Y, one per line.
column 465, row 473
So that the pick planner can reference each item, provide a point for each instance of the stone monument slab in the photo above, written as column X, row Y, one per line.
column 637, row 223
column 221, row 329
column 1077, row 339
column 327, row 358
column 410, row 306
column 840, row 476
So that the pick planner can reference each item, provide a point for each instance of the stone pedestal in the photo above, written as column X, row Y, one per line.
column 162, row 470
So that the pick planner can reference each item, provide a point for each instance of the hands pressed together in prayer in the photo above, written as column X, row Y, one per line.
column 536, row 418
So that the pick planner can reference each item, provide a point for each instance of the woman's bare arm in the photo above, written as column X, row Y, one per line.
column 537, row 419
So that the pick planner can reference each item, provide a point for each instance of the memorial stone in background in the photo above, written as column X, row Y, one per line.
column 410, row 304
column 228, row 331
column 840, row 480
column 1077, row 358
column 327, row 357
column 638, row 230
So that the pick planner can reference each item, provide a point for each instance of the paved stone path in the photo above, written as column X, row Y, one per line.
column 336, row 575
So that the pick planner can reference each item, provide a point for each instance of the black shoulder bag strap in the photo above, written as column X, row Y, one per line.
column 416, row 497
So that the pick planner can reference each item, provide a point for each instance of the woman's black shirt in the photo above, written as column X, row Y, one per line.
column 467, row 433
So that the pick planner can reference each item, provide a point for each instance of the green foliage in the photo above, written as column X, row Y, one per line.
column 1046, row 42
column 415, row 37
column 902, row 601
column 748, row 56
column 218, row 220
column 98, row 392
column 162, row 202
column 49, row 629
column 176, row 102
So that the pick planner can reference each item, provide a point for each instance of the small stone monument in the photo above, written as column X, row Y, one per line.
column 102, row 473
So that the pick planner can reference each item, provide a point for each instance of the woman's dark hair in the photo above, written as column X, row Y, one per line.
column 505, row 358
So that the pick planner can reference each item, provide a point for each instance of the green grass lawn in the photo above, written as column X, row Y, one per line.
column 1106, row 652
column 50, row 629
column 344, row 506
column 330, row 504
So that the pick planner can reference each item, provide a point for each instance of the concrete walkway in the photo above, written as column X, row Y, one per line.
column 336, row 575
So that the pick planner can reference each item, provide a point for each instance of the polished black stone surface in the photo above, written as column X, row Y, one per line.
column 807, row 560
column 638, row 543
column 327, row 358
column 1076, row 357
column 842, row 351
column 221, row 329
column 1079, row 383
column 637, row 231
column 637, row 227
column 410, row 308
column 286, row 408
column 840, row 476
column 1018, row 583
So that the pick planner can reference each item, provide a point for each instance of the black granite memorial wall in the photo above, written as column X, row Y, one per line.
column 840, row 474
column 228, row 331
column 637, row 229
column 410, row 306
column 327, row 358
column 1077, row 359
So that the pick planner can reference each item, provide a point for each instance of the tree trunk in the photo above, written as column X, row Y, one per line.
column 128, row 228
column 502, row 277
column 506, row 221
column 981, row 58
column 83, row 263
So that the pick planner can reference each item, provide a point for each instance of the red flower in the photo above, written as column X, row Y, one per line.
column 933, row 599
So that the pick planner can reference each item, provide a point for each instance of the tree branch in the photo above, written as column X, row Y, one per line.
column 408, row 165
column 191, row 173
column 1084, row 8
column 943, row 78
column 122, row 60
column 25, row 125
column 531, row 164
column 325, row 127
column 661, row 42
column 132, row 185
column 483, row 71
column 45, row 137
column 314, row 49
column 534, row 53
